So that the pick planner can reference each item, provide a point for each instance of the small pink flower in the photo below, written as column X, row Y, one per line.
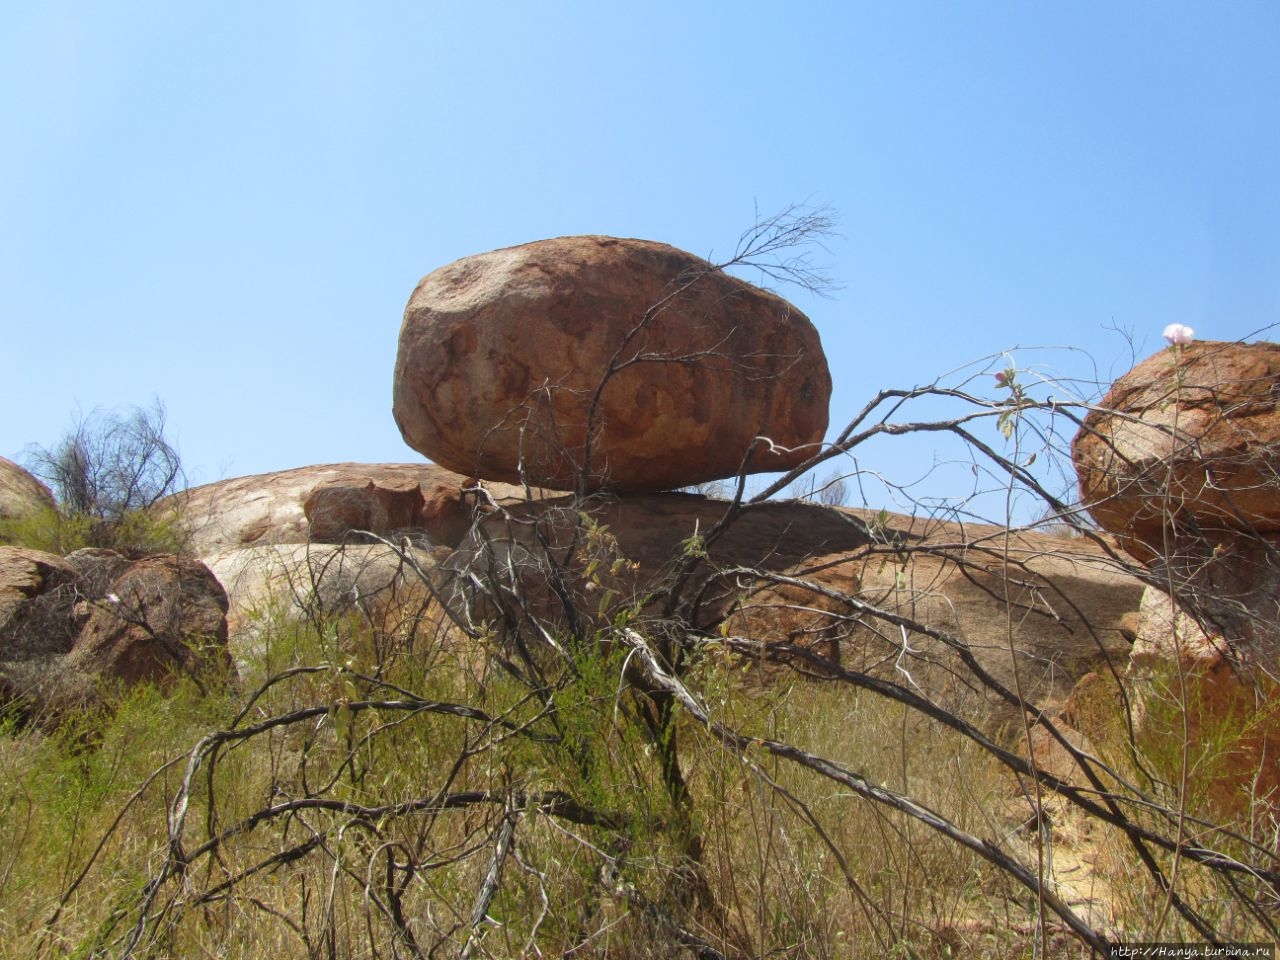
column 1179, row 334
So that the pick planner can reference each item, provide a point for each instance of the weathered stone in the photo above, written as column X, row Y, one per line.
column 1189, row 692
column 66, row 625
column 271, row 508
column 508, row 361
column 30, row 629
column 164, row 617
column 1180, row 462
column 338, row 508
column 298, row 581
column 797, row 618
column 1196, row 715
column 1037, row 612
column 97, row 567
column 1189, row 436
column 20, row 492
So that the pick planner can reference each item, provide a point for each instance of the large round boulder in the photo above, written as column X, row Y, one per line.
column 1189, row 439
column 510, row 361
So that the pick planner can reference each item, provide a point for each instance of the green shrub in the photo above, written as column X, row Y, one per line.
column 106, row 473
column 134, row 533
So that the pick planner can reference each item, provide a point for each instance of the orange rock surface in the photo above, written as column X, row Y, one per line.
column 512, row 360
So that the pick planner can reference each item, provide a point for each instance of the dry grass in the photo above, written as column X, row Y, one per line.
column 294, row 846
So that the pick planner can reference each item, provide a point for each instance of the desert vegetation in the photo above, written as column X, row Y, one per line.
column 105, row 474
column 552, row 741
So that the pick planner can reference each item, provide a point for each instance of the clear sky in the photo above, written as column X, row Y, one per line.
column 226, row 205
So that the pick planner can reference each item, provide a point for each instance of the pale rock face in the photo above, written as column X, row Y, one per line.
column 270, row 583
column 509, row 360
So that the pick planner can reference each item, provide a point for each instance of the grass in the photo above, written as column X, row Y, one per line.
column 136, row 532
column 352, row 817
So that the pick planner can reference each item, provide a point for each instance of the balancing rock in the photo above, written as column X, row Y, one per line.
column 598, row 363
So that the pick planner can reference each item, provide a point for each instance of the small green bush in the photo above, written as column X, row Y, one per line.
column 135, row 533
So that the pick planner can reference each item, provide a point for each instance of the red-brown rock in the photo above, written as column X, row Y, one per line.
column 511, row 359
column 1188, row 686
column 1181, row 463
column 66, row 625
column 1190, row 434
column 1037, row 611
column 164, row 617
column 337, row 508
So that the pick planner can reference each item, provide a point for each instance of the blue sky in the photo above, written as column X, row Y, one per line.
column 226, row 205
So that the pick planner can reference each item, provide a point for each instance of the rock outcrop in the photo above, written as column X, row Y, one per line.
column 327, row 502
column 1187, row 684
column 72, row 627
column 510, row 361
column 1180, row 462
column 1195, row 717
column 292, row 544
column 1058, row 609
column 20, row 492
column 1071, row 607
column 28, row 630
column 303, row 582
column 164, row 617
column 1187, row 442
column 336, row 509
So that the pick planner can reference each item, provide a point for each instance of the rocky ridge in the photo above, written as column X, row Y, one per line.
column 509, row 361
